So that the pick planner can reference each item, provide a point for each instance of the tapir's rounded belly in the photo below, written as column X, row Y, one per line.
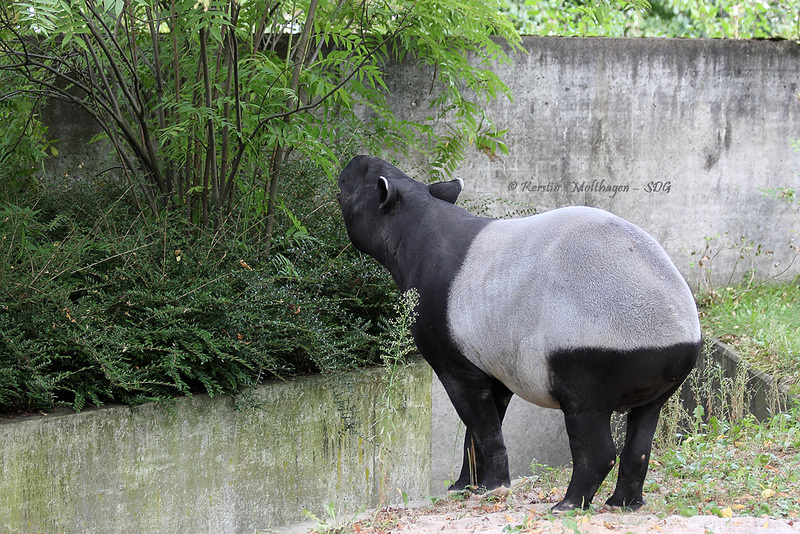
column 564, row 282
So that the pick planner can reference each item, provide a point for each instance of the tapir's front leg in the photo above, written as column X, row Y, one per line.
column 472, row 465
column 481, row 404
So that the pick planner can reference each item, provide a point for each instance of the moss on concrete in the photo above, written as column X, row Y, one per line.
column 199, row 465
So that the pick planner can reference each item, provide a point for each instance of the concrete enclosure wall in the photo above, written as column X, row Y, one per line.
column 678, row 136
column 199, row 465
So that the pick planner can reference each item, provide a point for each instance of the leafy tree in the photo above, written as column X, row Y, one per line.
column 205, row 101
column 23, row 140
column 575, row 17
column 724, row 19
column 657, row 18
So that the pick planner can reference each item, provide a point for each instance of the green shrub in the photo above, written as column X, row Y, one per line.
column 99, row 303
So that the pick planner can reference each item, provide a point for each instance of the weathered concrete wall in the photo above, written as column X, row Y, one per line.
column 688, row 132
column 201, row 466
column 72, row 129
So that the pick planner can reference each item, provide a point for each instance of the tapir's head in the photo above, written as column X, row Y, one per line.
column 375, row 194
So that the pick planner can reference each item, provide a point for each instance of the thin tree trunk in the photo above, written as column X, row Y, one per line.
column 280, row 154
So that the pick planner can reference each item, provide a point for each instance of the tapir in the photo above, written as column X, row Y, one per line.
column 574, row 308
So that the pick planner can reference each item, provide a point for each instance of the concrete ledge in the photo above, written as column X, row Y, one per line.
column 199, row 465
column 763, row 396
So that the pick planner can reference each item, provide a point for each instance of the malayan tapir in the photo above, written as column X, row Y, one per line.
column 574, row 308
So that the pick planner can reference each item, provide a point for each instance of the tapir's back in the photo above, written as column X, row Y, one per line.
column 570, row 279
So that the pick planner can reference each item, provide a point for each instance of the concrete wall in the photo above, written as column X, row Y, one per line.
column 73, row 129
column 687, row 131
column 199, row 466
column 763, row 397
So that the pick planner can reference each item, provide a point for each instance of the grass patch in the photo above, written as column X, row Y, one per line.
column 725, row 469
column 741, row 468
column 762, row 323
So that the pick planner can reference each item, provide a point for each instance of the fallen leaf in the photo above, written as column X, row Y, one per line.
column 726, row 512
column 530, row 520
column 767, row 493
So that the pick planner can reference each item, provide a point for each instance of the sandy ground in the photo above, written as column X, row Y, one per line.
column 526, row 510
column 534, row 519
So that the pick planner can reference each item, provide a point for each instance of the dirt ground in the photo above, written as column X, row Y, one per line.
column 526, row 510
column 535, row 520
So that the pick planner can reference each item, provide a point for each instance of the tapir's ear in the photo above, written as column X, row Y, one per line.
column 447, row 191
column 387, row 194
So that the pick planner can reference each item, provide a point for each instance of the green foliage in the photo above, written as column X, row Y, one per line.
column 396, row 343
column 657, row 18
column 180, row 283
column 576, row 18
column 23, row 144
column 724, row 19
column 105, row 304
column 727, row 468
column 205, row 102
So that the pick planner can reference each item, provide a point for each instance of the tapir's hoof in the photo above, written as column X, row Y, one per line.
column 630, row 507
column 564, row 507
column 502, row 491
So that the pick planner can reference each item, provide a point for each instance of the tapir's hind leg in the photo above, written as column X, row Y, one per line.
column 593, row 456
column 474, row 465
column 635, row 456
